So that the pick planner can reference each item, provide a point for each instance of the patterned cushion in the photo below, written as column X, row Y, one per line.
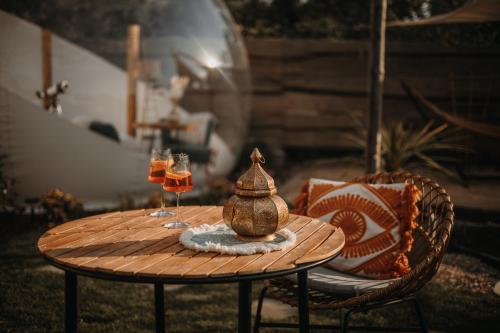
column 376, row 219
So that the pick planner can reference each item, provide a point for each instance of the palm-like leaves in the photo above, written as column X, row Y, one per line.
column 403, row 145
column 430, row 145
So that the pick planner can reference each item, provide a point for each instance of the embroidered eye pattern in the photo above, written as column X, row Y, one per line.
column 352, row 223
column 373, row 220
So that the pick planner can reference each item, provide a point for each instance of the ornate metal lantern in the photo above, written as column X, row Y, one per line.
column 255, row 212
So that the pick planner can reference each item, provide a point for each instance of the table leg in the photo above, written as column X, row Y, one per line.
column 303, row 302
column 159, row 307
column 245, row 307
column 71, row 303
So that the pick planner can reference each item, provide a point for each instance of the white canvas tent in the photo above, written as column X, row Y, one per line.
column 45, row 151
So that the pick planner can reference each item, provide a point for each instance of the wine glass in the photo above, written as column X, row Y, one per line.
column 157, row 169
column 178, row 179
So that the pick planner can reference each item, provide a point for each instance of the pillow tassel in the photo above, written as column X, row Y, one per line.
column 300, row 202
column 409, row 213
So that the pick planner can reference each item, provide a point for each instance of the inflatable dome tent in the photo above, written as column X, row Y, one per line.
column 191, row 39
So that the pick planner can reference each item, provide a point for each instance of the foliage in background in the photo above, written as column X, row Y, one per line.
column 350, row 18
column 59, row 206
column 430, row 146
column 404, row 145
column 84, row 21
column 126, row 202
column 8, row 195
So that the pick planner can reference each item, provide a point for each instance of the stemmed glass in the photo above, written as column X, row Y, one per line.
column 157, row 169
column 178, row 179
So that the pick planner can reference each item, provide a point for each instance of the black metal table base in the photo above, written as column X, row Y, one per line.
column 244, row 305
column 303, row 302
column 159, row 307
column 71, row 302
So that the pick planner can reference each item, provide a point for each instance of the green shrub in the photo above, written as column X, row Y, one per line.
column 59, row 206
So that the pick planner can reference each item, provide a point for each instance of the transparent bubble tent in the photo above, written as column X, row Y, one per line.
column 181, row 61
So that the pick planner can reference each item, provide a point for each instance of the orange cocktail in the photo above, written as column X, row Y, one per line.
column 178, row 182
column 158, row 166
column 178, row 179
column 157, row 170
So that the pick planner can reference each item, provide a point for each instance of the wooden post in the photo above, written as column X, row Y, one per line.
column 376, row 79
column 133, row 47
column 46, row 64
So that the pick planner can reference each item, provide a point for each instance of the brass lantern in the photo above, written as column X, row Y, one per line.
column 255, row 212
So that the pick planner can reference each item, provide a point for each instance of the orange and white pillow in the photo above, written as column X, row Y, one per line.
column 377, row 221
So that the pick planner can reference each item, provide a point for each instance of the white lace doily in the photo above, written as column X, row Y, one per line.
column 220, row 238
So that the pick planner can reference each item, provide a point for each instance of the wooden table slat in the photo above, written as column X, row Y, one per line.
column 109, row 223
column 241, row 262
column 48, row 238
column 260, row 265
column 78, row 224
column 80, row 244
column 89, row 251
column 153, row 222
column 128, row 246
column 174, row 262
column 197, row 260
column 73, row 226
column 122, row 243
column 332, row 245
column 206, row 269
column 100, row 216
column 129, row 264
column 288, row 261
column 61, row 239
column 211, row 215
column 137, row 265
column 122, row 256
column 134, row 243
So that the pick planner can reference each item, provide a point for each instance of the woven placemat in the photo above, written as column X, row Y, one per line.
column 222, row 239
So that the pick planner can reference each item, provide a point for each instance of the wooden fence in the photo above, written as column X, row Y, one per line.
column 307, row 92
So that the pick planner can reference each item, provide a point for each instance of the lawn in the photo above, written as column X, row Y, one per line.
column 459, row 299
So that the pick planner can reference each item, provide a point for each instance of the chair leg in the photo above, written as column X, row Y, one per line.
column 258, row 314
column 344, row 322
column 420, row 316
column 344, row 325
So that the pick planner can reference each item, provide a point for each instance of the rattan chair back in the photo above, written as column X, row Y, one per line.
column 433, row 229
column 431, row 237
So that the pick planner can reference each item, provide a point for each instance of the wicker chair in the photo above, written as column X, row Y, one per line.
column 430, row 240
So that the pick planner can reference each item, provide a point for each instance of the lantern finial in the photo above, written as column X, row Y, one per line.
column 256, row 156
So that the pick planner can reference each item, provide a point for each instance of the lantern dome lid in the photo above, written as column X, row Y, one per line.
column 255, row 182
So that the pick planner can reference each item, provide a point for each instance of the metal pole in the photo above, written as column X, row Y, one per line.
column 245, row 307
column 303, row 302
column 377, row 74
column 159, row 307
column 46, row 64
column 133, row 47
column 71, row 303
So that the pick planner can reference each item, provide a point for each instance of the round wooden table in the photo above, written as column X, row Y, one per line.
column 134, row 247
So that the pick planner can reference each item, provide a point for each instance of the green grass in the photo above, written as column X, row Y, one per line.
column 31, row 299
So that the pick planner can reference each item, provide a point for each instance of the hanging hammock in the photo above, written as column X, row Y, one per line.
column 429, row 110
